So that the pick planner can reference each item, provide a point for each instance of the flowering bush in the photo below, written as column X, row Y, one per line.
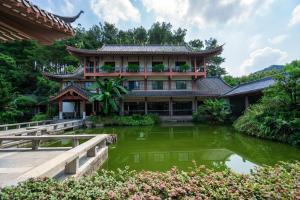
column 279, row 182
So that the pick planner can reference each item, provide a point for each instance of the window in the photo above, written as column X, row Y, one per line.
column 90, row 67
column 110, row 63
column 180, row 85
column 133, row 85
column 88, row 84
column 133, row 67
column 157, row 85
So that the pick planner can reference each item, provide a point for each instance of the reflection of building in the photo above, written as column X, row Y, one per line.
column 163, row 79
column 19, row 20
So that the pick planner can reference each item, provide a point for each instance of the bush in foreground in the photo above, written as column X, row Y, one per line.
column 279, row 182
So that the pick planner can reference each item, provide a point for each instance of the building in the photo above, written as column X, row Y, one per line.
column 21, row 20
column 165, row 79
column 243, row 95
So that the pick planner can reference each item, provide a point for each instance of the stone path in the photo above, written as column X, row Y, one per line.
column 15, row 162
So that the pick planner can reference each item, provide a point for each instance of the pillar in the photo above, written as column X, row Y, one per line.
column 146, row 106
column 171, row 106
column 246, row 102
column 194, row 104
column 84, row 110
column 60, row 109
column 122, row 108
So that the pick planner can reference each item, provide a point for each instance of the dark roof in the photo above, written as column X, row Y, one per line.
column 212, row 86
column 146, row 49
column 70, row 19
column 251, row 87
column 24, row 20
column 75, row 87
column 206, row 87
column 78, row 74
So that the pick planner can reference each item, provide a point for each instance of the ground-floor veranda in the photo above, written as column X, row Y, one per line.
column 163, row 106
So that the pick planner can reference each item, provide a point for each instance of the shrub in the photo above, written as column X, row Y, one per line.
column 158, row 68
column 213, row 111
column 133, row 67
column 277, row 115
column 278, row 182
column 184, row 67
column 40, row 117
column 134, row 120
column 108, row 68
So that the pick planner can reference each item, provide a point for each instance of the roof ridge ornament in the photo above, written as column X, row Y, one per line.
column 70, row 19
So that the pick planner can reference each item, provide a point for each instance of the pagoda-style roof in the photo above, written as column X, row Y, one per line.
column 206, row 87
column 21, row 20
column 251, row 87
column 77, row 75
column 144, row 50
column 72, row 91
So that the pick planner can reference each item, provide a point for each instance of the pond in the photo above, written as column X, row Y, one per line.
column 158, row 148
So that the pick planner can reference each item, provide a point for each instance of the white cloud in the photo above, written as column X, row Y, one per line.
column 277, row 39
column 68, row 8
column 114, row 11
column 255, row 41
column 295, row 16
column 204, row 13
column 262, row 58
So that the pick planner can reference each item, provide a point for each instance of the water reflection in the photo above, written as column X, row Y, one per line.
column 159, row 148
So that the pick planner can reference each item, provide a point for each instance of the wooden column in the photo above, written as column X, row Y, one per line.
column 146, row 106
column 246, row 102
column 60, row 108
column 84, row 109
column 171, row 106
column 204, row 67
column 84, row 64
column 195, row 67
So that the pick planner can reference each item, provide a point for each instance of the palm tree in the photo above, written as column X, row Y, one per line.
column 110, row 91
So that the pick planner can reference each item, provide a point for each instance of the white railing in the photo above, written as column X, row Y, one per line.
column 5, row 127
column 69, row 160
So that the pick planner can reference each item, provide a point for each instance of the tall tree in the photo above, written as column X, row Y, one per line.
column 214, row 63
column 197, row 44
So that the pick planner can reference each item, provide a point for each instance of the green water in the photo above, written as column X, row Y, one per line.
column 159, row 148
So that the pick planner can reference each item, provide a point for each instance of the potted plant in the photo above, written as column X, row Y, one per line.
column 158, row 68
column 133, row 67
column 184, row 67
column 108, row 68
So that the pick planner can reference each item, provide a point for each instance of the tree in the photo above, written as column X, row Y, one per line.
column 214, row 63
column 277, row 115
column 196, row 44
column 110, row 91
column 140, row 35
column 160, row 33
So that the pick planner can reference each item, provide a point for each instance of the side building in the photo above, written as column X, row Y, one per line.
column 165, row 79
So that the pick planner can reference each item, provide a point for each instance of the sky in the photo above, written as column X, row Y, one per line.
column 256, row 33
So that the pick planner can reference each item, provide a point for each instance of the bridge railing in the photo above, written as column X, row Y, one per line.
column 6, row 127
column 69, row 160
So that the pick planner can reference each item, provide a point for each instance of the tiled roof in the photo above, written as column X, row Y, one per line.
column 212, row 86
column 251, row 87
column 146, row 49
column 75, row 87
column 24, row 20
column 206, row 87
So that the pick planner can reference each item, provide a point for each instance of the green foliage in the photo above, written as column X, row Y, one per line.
column 108, row 68
column 158, row 67
column 40, row 117
column 213, row 66
column 213, row 111
column 134, row 120
column 184, row 67
column 277, row 182
column 233, row 81
column 110, row 92
column 133, row 67
column 70, row 69
column 277, row 115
